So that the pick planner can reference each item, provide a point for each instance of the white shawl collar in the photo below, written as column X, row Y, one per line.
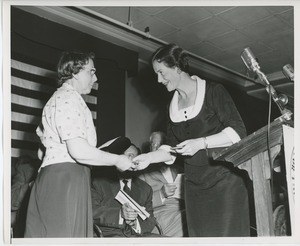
column 185, row 114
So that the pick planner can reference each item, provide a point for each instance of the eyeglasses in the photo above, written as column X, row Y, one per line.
column 93, row 71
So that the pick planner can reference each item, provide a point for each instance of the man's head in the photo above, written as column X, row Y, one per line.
column 156, row 140
column 131, row 152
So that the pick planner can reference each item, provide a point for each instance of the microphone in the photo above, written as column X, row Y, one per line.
column 288, row 72
column 250, row 60
column 251, row 63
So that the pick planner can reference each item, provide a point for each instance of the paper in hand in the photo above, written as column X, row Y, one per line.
column 123, row 197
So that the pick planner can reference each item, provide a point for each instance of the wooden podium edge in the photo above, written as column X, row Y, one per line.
column 252, row 144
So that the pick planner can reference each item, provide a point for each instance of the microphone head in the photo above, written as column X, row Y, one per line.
column 249, row 59
column 288, row 71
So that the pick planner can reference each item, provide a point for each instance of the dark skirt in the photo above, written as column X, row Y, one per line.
column 220, row 210
column 60, row 203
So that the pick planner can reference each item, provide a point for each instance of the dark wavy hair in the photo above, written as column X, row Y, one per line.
column 172, row 56
column 71, row 62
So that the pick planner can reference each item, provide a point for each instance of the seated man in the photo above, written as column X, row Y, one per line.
column 168, row 208
column 24, row 171
column 114, row 219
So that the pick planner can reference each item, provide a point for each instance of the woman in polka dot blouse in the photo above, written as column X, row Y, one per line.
column 60, row 202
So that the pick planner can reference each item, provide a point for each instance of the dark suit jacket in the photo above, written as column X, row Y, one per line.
column 106, row 209
column 25, row 171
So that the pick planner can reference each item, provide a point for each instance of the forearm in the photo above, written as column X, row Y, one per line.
column 222, row 139
column 97, row 157
column 159, row 155
column 84, row 153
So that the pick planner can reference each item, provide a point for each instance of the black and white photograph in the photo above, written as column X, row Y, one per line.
column 149, row 122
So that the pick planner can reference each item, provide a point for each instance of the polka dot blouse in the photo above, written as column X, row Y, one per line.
column 65, row 116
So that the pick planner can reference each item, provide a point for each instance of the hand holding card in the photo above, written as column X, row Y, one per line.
column 175, row 149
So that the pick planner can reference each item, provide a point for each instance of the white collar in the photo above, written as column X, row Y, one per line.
column 178, row 115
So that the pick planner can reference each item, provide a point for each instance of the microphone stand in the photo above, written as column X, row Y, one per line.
column 280, row 100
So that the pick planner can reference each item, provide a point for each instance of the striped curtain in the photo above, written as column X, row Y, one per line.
column 31, row 87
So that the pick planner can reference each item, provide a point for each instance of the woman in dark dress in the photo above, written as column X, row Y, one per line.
column 202, row 116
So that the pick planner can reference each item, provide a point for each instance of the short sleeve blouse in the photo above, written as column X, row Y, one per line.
column 65, row 116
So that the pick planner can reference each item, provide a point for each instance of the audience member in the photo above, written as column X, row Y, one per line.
column 114, row 219
column 168, row 209
column 24, row 171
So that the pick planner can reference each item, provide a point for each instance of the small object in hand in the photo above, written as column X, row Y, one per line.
column 176, row 148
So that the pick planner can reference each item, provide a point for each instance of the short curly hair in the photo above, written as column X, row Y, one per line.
column 71, row 62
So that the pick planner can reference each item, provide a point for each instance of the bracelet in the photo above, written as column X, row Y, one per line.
column 205, row 143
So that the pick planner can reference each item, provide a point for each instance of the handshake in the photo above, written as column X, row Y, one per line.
column 129, row 157
column 135, row 166
column 134, row 163
column 131, row 160
column 141, row 162
column 128, row 154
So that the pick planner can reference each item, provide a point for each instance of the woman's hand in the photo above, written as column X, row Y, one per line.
column 190, row 147
column 141, row 161
column 124, row 163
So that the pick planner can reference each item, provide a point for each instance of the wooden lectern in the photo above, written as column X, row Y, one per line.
column 251, row 154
